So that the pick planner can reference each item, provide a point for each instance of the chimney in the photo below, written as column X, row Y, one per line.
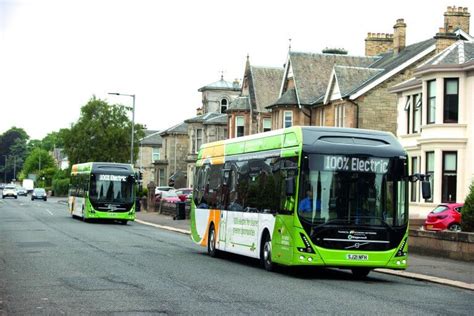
column 457, row 18
column 399, row 36
column 444, row 38
column 378, row 43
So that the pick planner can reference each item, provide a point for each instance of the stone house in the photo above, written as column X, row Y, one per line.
column 211, row 122
column 171, row 168
column 349, row 91
column 248, row 114
column 150, row 152
column 435, row 117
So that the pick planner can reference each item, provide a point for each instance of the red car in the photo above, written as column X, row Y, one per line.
column 167, row 196
column 444, row 216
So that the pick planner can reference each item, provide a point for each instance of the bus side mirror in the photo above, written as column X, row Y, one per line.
column 426, row 189
column 290, row 186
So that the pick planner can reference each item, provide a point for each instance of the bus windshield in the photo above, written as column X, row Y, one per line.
column 109, row 188
column 353, row 190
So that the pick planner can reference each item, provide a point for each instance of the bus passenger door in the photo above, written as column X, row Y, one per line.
column 222, row 230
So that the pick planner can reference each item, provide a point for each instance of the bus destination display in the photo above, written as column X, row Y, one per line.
column 356, row 164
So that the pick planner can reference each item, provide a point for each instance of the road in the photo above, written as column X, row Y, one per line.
column 52, row 264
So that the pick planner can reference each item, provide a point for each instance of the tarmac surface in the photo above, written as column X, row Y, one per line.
column 432, row 269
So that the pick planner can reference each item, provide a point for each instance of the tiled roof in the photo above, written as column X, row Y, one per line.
column 312, row 72
column 350, row 78
column 151, row 138
column 239, row 104
column 288, row 98
column 221, row 85
column 267, row 83
column 181, row 128
column 459, row 53
column 220, row 119
column 203, row 118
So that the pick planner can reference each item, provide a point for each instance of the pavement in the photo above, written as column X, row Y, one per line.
column 439, row 270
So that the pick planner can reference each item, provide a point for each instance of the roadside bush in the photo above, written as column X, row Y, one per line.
column 60, row 187
column 143, row 192
column 467, row 223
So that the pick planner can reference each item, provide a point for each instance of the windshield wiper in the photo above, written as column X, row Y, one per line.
column 384, row 223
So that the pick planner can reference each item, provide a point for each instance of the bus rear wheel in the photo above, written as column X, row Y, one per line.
column 360, row 273
column 266, row 253
column 211, row 242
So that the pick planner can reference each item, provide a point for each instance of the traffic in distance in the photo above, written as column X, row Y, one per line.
column 306, row 196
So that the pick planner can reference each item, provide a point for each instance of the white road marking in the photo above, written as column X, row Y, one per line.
column 182, row 231
column 49, row 212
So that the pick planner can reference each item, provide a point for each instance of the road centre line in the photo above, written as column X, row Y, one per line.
column 50, row 213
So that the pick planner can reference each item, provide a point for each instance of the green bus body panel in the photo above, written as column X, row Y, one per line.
column 91, row 213
column 286, row 236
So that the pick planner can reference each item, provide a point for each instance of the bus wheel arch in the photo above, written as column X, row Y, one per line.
column 266, row 251
column 211, row 241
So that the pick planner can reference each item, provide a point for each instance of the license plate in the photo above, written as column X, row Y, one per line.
column 357, row 257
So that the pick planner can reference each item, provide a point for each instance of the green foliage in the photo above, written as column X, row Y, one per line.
column 142, row 192
column 467, row 223
column 60, row 187
column 54, row 140
column 41, row 163
column 12, row 152
column 102, row 133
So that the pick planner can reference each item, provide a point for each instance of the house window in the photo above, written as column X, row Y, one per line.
column 340, row 116
column 431, row 113
column 414, row 185
column 161, row 177
column 198, row 139
column 451, row 100
column 155, row 154
column 223, row 105
column 416, row 113
column 267, row 124
column 407, row 110
column 322, row 117
column 287, row 119
column 430, row 157
column 449, row 177
column 239, row 126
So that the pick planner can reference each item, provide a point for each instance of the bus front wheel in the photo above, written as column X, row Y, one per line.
column 360, row 273
column 266, row 253
column 211, row 242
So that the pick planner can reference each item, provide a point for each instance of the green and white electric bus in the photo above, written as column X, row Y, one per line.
column 103, row 190
column 316, row 196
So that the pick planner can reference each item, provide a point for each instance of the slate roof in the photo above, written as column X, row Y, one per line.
column 459, row 53
column 221, row 85
column 288, row 98
column 220, row 119
column 239, row 104
column 351, row 78
column 267, row 83
column 312, row 72
column 209, row 118
column 151, row 138
column 181, row 128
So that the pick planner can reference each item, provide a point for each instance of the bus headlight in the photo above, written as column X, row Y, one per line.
column 307, row 247
column 400, row 252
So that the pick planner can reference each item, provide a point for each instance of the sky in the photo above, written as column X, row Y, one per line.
column 56, row 54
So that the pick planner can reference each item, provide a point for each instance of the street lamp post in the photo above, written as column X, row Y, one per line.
column 133, row 121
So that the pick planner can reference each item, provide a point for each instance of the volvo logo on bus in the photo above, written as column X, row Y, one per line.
column 112, row 207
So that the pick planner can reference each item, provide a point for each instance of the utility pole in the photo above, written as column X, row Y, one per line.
column 14, row 168
column 5, row 170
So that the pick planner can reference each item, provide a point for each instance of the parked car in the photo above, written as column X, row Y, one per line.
column 184, row 194
column 163, row 189
column 39, row 194
column 21, row 191
column 9, row 191
column 167, row 196
column 444, row 216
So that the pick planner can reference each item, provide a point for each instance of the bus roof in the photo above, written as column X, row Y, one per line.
column 304, row 138
column 98, row 167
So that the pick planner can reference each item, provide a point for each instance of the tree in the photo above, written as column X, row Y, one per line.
column 53, row 140
column 467, row 213
column 12, row 151
column 40, row 163
column 102, row 133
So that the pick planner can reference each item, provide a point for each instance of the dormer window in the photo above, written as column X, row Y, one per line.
column 223, row 105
